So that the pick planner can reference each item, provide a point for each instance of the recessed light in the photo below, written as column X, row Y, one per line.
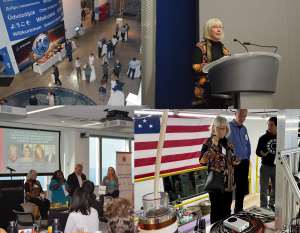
column 62, row 121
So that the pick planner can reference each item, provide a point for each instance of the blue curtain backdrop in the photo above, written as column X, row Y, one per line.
column 176, row 36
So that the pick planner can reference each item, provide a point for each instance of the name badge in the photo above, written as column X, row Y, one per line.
column 36, row 186
column 223, row 151
column 246, row 137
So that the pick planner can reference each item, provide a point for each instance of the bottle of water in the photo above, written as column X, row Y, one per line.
column 179, row 201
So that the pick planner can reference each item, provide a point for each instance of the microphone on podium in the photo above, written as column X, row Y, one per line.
column 235, row 40
column 248, row 43
column 10, row 169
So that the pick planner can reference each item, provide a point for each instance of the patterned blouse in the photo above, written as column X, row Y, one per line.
column 201, row 78
column 34, row 188
column 212, row 156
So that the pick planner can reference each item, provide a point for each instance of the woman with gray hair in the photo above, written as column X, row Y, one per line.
column 218, row 154
column 205, row 52
column 33, row 189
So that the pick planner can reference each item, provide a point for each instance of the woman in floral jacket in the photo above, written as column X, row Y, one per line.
column 211, row 49
column 33, row 189
column 218, row 154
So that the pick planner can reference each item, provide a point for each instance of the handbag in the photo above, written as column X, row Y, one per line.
column 53, row 76
column 214, row 182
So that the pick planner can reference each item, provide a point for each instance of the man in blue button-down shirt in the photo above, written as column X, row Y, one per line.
column 132, row 65
column 240, row 139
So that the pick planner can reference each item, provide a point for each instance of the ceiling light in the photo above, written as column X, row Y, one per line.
column 62, row 121
column 93, row 124
column 45, row 109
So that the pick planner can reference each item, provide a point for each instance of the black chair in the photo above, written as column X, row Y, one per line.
column 25, row 219
column 63, row 218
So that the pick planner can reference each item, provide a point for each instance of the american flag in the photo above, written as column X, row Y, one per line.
column 183, row 142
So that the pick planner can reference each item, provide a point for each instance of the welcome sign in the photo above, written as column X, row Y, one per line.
column 24, row 18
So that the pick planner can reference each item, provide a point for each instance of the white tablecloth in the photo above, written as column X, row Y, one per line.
column 104, row 49
column 82, row 31
column 93, row 74
column 120, row 22
column 120, row 37
column 63, row 52
column 116, row 99
column 43, row 67
column 137, row 70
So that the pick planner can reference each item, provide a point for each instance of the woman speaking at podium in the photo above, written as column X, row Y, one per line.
column 205, row 52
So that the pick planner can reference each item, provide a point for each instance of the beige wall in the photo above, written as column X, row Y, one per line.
column 268, row 22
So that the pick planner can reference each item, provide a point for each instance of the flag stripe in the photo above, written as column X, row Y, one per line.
column 187, row 129
column 166, row 166
column 189, row 121
column 167, row 151
column 168, row 144
column 170, row 136
column 166, row 159
column 168, row 171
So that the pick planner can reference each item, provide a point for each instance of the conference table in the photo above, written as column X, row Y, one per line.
column 137, row 70
column 41, row 68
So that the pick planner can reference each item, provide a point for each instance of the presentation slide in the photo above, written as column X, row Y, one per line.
column 22, row 150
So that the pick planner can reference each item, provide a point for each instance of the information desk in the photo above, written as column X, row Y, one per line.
column 42, row 67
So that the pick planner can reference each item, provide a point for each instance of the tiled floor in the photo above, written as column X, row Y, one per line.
column 86, row 45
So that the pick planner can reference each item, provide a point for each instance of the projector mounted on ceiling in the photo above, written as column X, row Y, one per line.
column 9, row 113
column 116, row 120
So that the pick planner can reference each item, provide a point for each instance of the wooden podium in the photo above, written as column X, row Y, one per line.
column 11, row 196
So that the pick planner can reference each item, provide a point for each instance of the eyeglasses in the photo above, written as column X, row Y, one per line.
column 216, row 27
column 220, row 129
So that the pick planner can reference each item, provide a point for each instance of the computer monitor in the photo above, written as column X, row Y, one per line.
column 77, row 29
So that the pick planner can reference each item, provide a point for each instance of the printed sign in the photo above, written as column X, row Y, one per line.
column 123, row 170
column 40, row 44
column 24, row 18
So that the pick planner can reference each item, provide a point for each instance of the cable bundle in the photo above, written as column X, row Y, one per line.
column 255, row 224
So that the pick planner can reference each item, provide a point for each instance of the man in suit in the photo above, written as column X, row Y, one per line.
column 127, row 28
column 117, row 68
column 50, row 158
column 56, row 75
column 76, row 178
column 67, row 43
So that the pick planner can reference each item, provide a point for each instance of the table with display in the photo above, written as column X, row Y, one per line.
column 46, row 62
column 137, row 73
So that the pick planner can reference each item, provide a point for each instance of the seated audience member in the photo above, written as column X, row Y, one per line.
column 111, row 182
column 13, row 155
column 39, row 154
column 82, row 214
column 120, row 216
column 97, row 205
column 33, row 189
column 119, row 86
column 76, row 178
column 5, row 102
column 56, row 186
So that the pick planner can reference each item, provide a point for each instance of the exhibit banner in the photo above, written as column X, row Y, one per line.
column 41, row 44
column 24, row 18
column 124, row 173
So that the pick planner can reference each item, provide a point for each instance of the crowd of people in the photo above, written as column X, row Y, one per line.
column 227, row 153
column 85, row 209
